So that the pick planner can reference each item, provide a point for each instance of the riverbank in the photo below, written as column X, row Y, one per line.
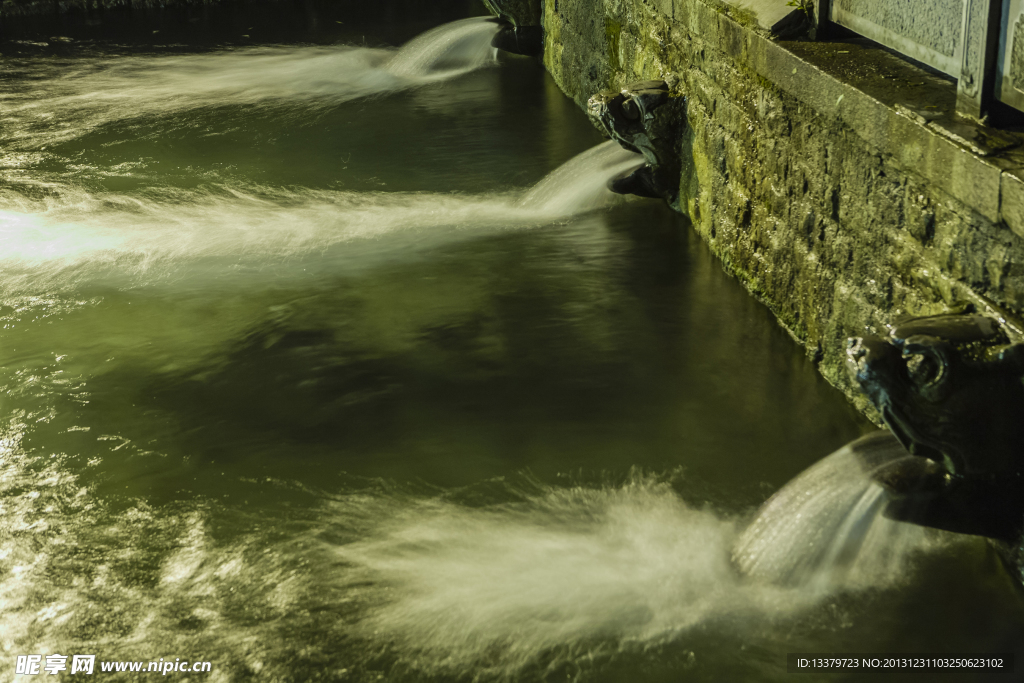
column 830, row 177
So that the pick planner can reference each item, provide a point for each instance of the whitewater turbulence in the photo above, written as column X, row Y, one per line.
column 462, row 587
column 72, row 235
column 562, row 571
column 87, row 93
column 565, row 571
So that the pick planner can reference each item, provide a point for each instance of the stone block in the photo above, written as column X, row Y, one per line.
column 1011, row 200
column 771, row 15
column 665, row 7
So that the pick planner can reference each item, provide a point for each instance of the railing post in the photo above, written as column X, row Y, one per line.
column 979, row 41
column 822, row 17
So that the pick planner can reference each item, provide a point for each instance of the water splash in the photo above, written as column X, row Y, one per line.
column 446, row 51
column 538, row 578
column 59, row 100
column 496, row 588
column 825, row 528
column 581, row 183
column 71, row 234
column 563, row 572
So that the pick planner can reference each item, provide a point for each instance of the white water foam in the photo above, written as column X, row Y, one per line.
column 73, row 235
column 549, row 577
column 564, row 574
column 442, row 587
column 495, row 588
column 825, row 528
column 68, row 99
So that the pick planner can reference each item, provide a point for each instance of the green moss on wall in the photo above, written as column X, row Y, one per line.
column 835, row 237
column 613, row 32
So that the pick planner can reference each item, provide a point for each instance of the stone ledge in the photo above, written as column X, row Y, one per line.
column 863, row 84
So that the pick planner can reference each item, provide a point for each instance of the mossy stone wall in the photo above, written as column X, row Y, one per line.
column 837, row 234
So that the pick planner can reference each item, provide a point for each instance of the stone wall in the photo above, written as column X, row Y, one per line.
column 831, row 179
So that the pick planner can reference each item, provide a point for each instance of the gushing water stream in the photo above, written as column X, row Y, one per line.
column 825, row 529
column 278, row 407
column 73, row 234
column 93, row 93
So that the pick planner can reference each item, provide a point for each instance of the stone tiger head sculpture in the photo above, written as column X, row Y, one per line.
column 644, row 117
column 949, row 388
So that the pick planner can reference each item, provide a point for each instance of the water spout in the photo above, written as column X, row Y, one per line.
column 825, row 527
column 949, row 388
column 97, row 92
column 521, row 29
column 73, row 235
column 647, row 118
column 580, row 184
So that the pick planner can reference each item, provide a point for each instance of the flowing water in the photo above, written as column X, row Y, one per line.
column 338, row 363
column 825, row 528
column 91, row 93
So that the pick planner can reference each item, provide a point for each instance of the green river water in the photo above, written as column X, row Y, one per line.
column 300, row 378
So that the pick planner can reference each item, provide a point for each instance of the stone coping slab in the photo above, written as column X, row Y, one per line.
column 877, row 94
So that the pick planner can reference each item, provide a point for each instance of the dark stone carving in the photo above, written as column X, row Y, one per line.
column 639, row 181
column 887, row 462
column 520, row 21
column 645, row 118
column 950, row 389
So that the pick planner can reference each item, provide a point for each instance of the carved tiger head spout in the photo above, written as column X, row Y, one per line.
column 949, row 388
column 644, row 117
